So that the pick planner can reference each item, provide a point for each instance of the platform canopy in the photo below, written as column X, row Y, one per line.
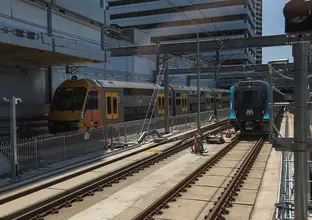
column 43, row 51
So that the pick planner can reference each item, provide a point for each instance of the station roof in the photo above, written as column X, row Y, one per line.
column 42, row 50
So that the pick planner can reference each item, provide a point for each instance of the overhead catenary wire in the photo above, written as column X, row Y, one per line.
column 206, row 32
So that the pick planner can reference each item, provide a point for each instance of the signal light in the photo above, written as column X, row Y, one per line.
column 262, row 112
column 298, row 17
column 236, row 112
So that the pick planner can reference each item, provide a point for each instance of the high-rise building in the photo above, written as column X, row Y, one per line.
column 181, row 20
column 259, row 29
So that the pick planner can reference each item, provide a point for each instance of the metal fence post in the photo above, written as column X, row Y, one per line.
column 64, row 146
column 105, row 137
column 86, row 146
column 112, row 138
column 36, row 151
column 14, row 161
column 125, row 132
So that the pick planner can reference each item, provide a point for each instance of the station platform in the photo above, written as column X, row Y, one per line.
column 91, row 158
column 62, row 169
column 268, row 194
column 127, row 199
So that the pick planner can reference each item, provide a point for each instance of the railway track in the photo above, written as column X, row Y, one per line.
column 225, row 200
column 65, row 199
column 26, row 127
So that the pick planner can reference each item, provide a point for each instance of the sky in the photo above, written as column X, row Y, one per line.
column 273, row 23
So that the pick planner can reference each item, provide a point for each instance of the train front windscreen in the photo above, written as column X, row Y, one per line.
column 250, row 101
column 68, row 99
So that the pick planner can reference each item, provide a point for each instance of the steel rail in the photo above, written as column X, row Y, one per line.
column 65, row 199
column 155, row 208
column 232, row 188
column 64, row 178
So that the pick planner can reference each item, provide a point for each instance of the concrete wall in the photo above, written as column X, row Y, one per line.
column 29, row 83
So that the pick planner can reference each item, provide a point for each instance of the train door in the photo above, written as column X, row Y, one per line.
column 92, row 115
column 112, row 108
column 161, row 103
column 184, row 102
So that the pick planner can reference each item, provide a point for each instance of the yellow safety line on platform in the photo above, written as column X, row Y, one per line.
column 154, row 150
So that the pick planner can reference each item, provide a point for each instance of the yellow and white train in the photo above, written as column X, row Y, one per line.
column 87, row 103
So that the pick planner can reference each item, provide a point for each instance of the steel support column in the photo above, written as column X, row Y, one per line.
column 156, row 72
column 215, row 78
column 271, row 121
column 198, row 86
column 102, row 2
column 49, row 85
column 166, row 85
column 49, row 69
column 300, row 54
column 13, row 139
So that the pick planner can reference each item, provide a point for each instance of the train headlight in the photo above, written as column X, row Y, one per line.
column 81, row 114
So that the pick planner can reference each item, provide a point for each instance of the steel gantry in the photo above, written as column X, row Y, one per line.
column 206, row 45
column 200, row 46
column 237, row 68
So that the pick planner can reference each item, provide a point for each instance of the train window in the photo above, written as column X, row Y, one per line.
column 115, row 111
column 249, row 95
column 208, row 102
column 68, row 99
column 109, row 105
column 184, row 106
column 161, row 103
column 92, row 102
column 127, row 91
column 142, row 92
column 178, row 101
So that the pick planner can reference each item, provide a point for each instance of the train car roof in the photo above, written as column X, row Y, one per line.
column 224, row 90
column 135, row 85
column 139, row 85
column 180, row 88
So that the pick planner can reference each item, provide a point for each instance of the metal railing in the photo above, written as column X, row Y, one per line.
column 40, row 151
column 285, row 205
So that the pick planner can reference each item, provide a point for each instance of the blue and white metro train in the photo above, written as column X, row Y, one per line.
column 249, row 105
